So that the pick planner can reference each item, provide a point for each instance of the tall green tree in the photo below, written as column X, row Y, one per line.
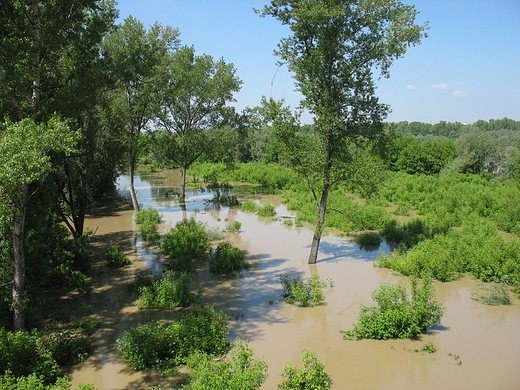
column 139, row 59
column 25, row 160
column 334, row 49
column 193, row 102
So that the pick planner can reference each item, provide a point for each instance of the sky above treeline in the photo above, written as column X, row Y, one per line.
column 467, row 69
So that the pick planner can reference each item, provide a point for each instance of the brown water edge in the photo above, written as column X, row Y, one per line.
column 486, row 338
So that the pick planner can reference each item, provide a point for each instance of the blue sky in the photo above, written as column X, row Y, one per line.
column 467, row 69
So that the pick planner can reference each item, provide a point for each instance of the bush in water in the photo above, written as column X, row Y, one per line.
column 307, row 293
column 158, row 345
column 226, row 259
column 311, row 376
column 115, row 257
column 242, row 370
column 168, row 292
column 149, row 219
column 395, row 316
column 184, row 243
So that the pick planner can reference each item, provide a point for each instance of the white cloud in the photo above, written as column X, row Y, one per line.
column 411, row 87
column 440, row 86
column 458, row 83
column 460, row 94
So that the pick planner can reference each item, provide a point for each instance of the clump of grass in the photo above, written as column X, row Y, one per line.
column 234, row 227
column 267, row 210
column 248, row 205
column 498, row 294
column 115, row 257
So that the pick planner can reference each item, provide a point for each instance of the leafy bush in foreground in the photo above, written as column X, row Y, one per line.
column 241, row 371
column 158, row 345
column 184, row 243
column 168, row 292
column 395, row 316
column 226, row 259
column 311, row 377
column 307, row 293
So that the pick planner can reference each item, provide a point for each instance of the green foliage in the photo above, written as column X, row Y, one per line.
column 115, row 257
column 66, row 346
column 266, row 210
column 311, row 376
column 158, row 345
column 184, row 243
column 428, row 347
column 226, row 259
column 168, row 292
column 241, row 371
column 368, row 239
column 410, row 233
column 272, row 176
column 149, row 219
column 306, row 293
column 498, row 294
column 395, row 316
column 476, row 248
column 249, row 205
column 234, row 227
column 35, row 382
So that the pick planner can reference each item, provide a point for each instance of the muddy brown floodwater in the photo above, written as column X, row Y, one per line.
column 486, row 338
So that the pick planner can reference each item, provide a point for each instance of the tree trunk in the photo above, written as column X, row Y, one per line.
column 183, row 182
column 318, row 231
column 135, row 204
column 18, row 235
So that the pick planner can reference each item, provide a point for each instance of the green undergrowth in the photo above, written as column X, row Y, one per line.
column 476, row 248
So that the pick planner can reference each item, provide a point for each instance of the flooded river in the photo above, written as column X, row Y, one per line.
column 486, row 338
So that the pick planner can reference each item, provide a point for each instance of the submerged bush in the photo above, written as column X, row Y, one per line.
column 248, row 205
column 306, row 293
column 184, row 243
column 395, row 317
column 368, row 239
column 241, row 371
column 498, row 294
column 168, row 292
column 115, row 257
column 311, row 377
column 267, row 210
column 226, row 259
column 159, row 345
column 149, row 219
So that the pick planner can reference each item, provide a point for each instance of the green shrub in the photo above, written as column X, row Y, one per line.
column 35, row 382
column 395, row 316
column 184, row 243
column 248, row 205
column 168, row 292
column 306, row 293
column 67, row 346
column 267, row 210
column 498, row 294
column 311, row 377
column 234, row 227
column 226, row 259
column 21, row 356
column 158, row 345
column 241, row 371
column 115, row 257
column 149, row 219
column 368, row 239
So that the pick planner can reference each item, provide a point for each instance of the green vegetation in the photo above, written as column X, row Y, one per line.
column 149, row 219
column 498, row 294
column 429, row 347
column 115, row 257
column 307, row 293
column 226, row 259
column 167, row 292
column 240, row 371
column 368, row 239
column 311, row 376
column 266, row 210
column 395, row 316
column 187, row 241
column 249, row 205
column 234, row 227
column 160, row 345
